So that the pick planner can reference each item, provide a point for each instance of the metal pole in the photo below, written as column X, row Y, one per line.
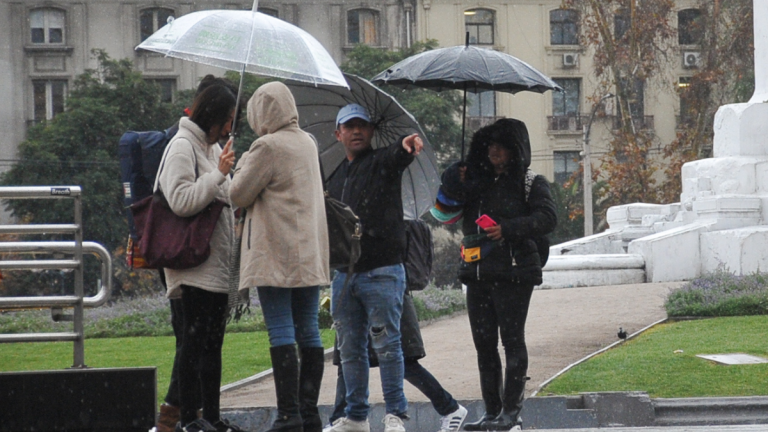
column 79, row 348
column 588, row 212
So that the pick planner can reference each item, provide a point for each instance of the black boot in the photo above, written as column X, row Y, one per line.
column 310, row 377
column 285, row 367
column 490, row 388
column 514, row 392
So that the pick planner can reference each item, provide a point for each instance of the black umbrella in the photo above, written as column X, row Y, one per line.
column 318, row 106
column 467, row 68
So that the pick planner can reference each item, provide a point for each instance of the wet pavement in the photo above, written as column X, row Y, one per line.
column 564, row 326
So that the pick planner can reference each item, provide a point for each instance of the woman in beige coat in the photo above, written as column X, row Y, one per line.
column 193, row 173
column 285, row 249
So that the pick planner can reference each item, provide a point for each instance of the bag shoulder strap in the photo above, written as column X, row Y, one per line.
column 530, row 176
column 162, row 163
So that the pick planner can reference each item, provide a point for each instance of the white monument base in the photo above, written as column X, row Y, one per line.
column 720, row 222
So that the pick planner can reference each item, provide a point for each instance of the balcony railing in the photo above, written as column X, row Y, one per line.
column 640, row 122
column 566, row 123
column 475, row 123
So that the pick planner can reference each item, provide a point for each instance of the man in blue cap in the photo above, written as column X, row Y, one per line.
column 369, row 181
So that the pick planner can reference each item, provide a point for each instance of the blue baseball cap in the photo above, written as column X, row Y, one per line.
column 351, row 111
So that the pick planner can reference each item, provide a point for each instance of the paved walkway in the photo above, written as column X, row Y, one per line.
column 564, row 325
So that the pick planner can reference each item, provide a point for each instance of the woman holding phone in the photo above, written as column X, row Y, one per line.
column 501, row 263
column 194, row 172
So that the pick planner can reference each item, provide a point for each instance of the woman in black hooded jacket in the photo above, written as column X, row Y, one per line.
column 492, row 182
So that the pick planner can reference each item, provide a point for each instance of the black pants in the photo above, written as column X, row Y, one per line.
column 499, row 308
column 177, row 323
column 200, row 357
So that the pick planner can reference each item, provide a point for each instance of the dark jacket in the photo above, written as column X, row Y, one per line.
column 502, row 197
column 370, row 185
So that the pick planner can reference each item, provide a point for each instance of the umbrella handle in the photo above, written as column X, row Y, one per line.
column 463, row 118
column 237, row 104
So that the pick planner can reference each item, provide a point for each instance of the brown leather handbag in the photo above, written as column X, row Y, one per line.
column 167, row 240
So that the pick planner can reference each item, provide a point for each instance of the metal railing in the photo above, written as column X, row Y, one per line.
column 567, row 123
column 75, row 248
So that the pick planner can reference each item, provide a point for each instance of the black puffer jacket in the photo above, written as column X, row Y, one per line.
column 502, row 197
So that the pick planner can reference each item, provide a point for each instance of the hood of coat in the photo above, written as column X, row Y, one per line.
column 272, row 108
column 511, row 133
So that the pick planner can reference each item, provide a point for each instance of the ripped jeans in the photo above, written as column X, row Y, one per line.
column 373, row 301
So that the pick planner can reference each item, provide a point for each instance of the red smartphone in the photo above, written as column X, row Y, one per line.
column 485, row 221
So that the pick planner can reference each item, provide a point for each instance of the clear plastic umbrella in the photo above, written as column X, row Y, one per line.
column 318, row 106
column 246, row 41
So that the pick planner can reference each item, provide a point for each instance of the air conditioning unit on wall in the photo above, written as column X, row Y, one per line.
column 691, row 59
column 570, row 60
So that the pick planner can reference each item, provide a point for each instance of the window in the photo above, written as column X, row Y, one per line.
column 621, row 23
column 48, row 98
column 362, row 27
column 564, row 27
column 479, row 24
column 167, row 88
column 690, row 27
column 270, row 12
column 566, row 115
column 634, row 91
column 566, row 102
column 152, row 20
column 686, row 112
column 46, row 26
column 566, row 163
column 481, row 104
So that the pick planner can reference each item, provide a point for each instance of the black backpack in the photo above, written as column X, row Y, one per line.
column 140, row 155
column 542, row 243
column 418, row 254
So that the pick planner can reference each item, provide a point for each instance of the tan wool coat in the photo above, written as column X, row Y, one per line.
column 188, row 195
column 278, row 182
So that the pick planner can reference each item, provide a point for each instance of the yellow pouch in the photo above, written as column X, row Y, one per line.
column 471, row 254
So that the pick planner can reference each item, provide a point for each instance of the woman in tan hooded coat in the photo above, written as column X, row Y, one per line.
column 285, row 249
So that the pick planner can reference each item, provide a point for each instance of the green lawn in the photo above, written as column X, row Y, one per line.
column 243, row 355
column 650, row 362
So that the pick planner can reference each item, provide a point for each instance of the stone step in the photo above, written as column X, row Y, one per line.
column 711, row 411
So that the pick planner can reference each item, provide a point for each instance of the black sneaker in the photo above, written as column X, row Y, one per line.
column 224, row 426
column 199, row 425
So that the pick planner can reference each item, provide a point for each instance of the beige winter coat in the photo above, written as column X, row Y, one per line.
column 285, row 236
column 187, row 196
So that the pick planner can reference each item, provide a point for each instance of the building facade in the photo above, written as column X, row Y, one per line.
column 47, row 43
column 545, row 36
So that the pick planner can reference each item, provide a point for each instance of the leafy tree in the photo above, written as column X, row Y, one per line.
column 79, row 147
column 631, row 41
column 725, row 76
column 436, row 112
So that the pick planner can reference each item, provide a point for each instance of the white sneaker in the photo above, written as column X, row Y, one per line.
column 393, row 423
column 453, row 421
column 344, row 424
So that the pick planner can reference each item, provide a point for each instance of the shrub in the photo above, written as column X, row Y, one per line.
column 721, row 293
column 151, row 316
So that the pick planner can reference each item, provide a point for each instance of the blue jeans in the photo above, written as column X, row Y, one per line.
column 291, row 315
column 416, row 374
column 372, row 302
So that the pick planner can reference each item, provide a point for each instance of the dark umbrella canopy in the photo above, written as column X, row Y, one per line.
column 466, row 68
column 318, row 106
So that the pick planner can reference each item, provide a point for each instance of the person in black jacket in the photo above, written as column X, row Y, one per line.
column 371, row 302
column 504, row 266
